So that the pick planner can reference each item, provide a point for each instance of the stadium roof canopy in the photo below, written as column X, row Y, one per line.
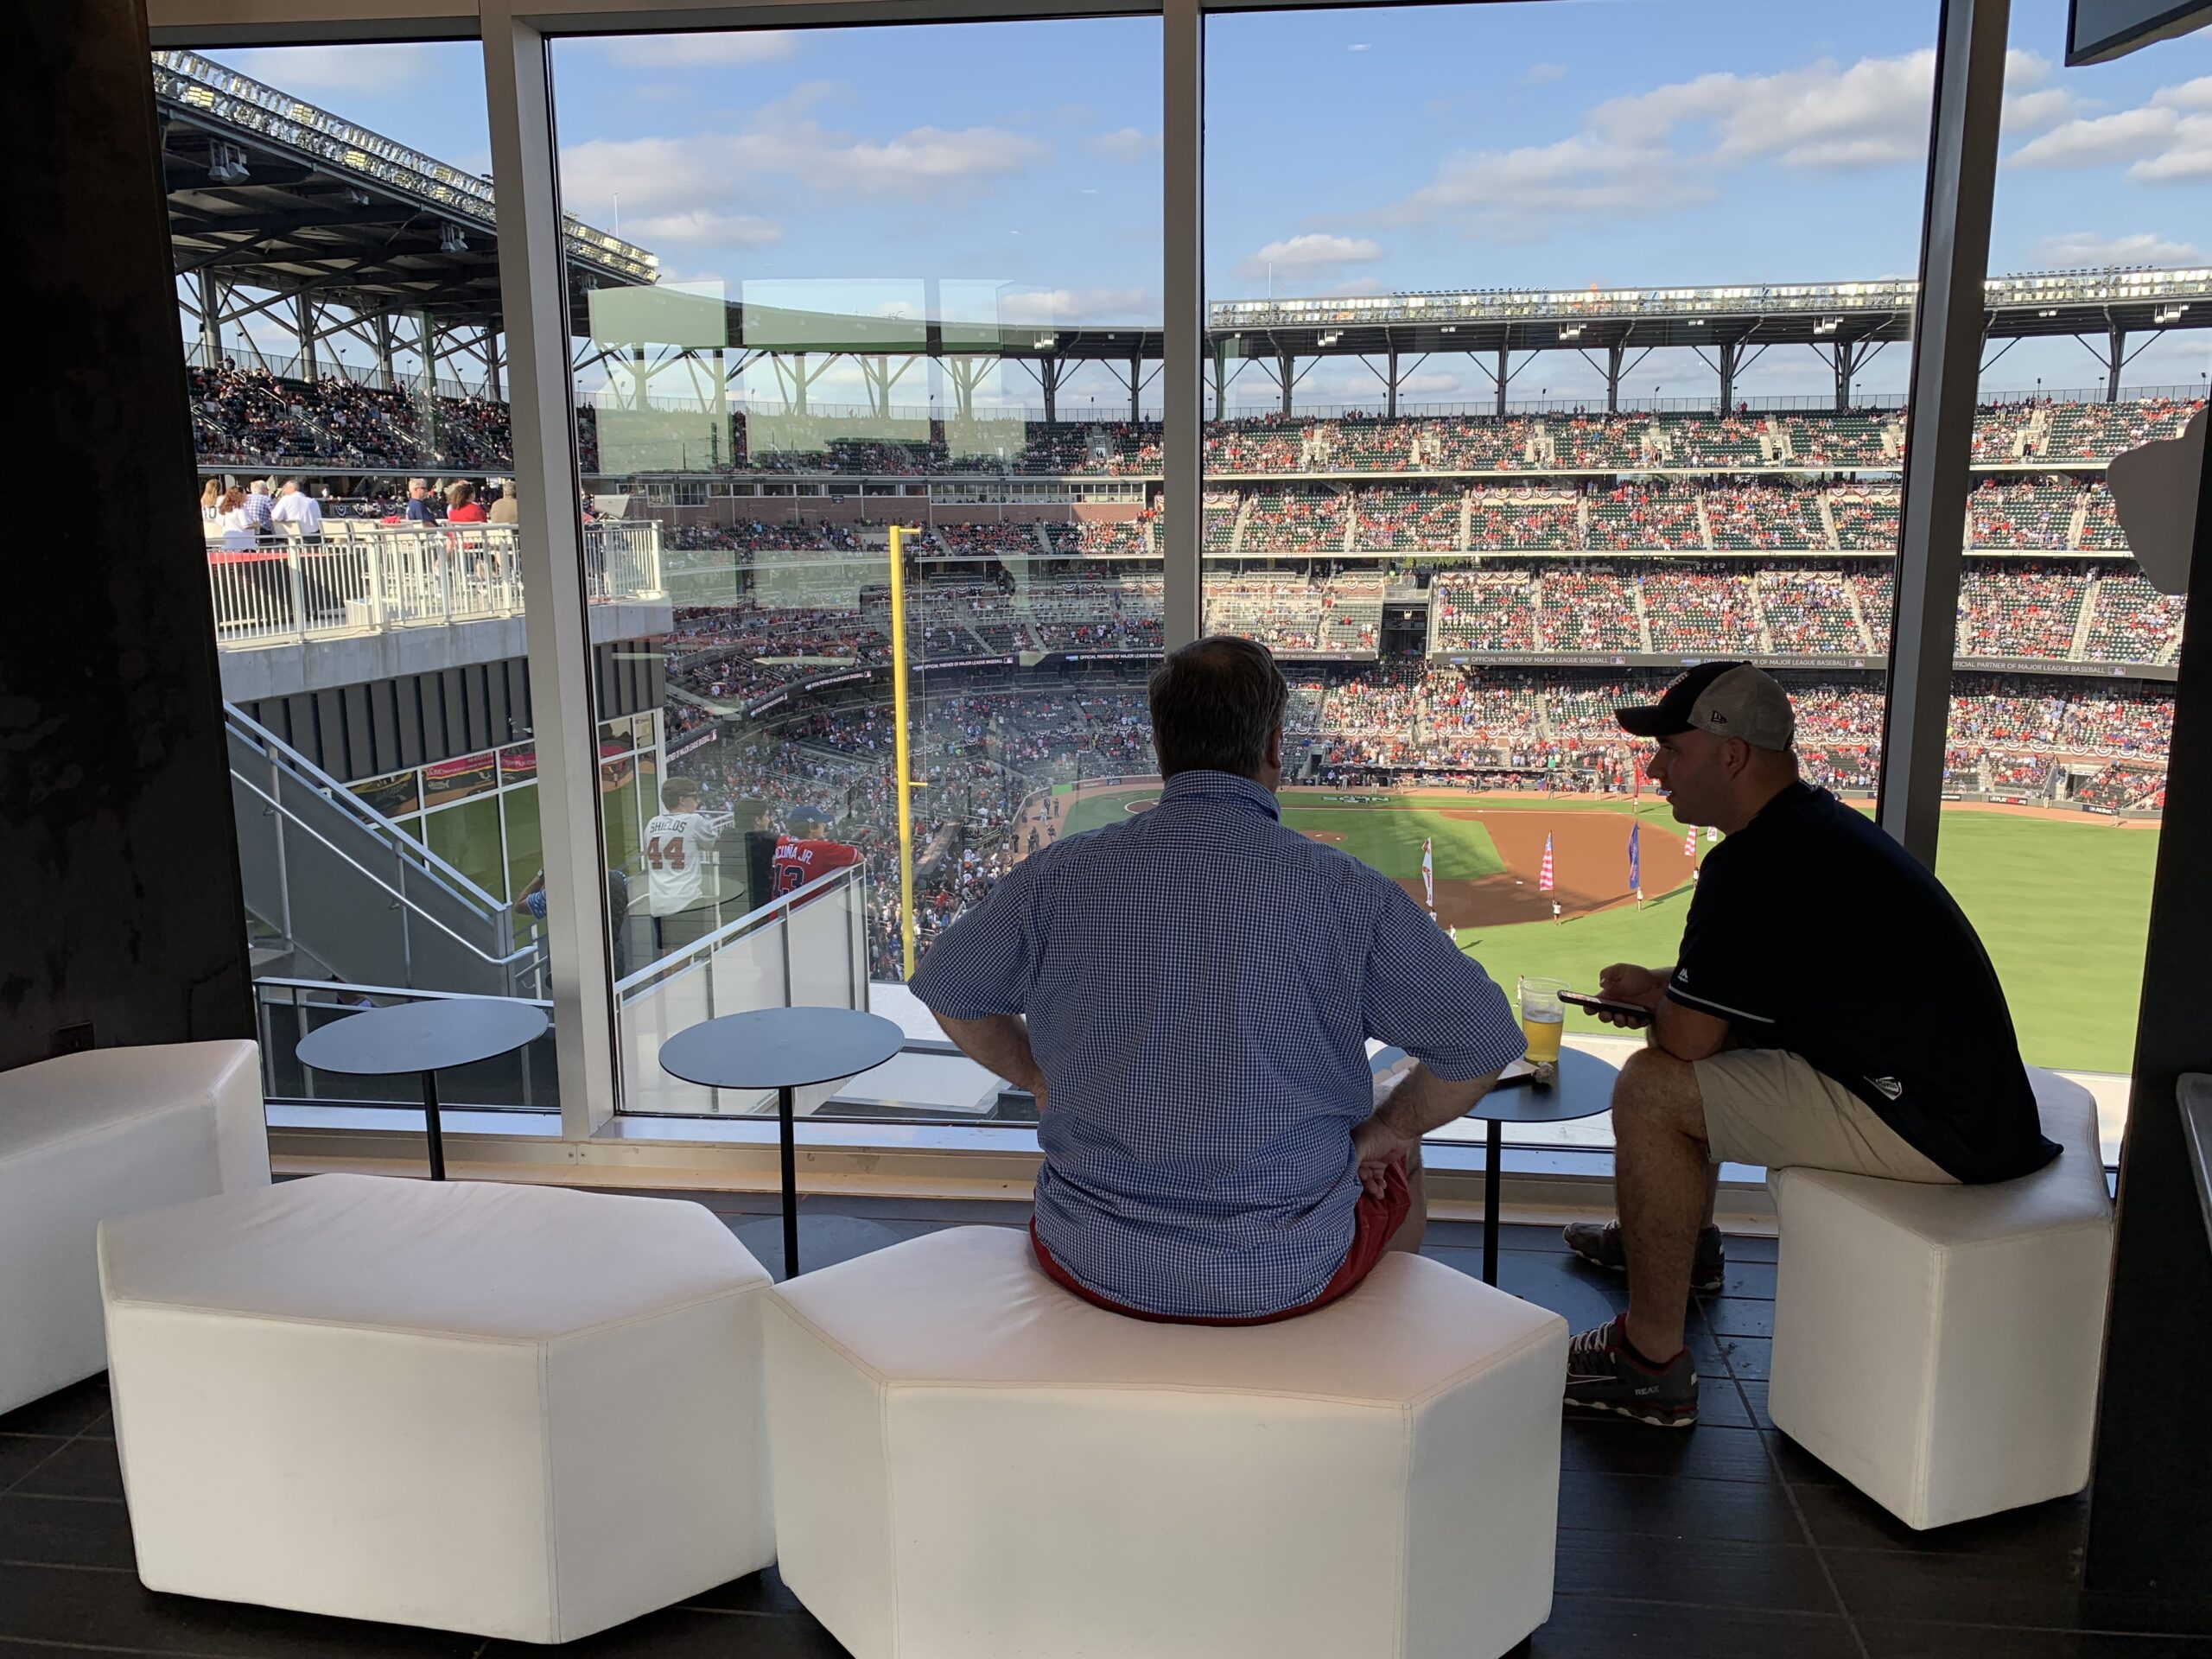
column 268, row 191
column 2089, row 302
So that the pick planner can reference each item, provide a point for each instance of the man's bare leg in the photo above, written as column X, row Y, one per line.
column 1663, row 1179
column 1408, row 1236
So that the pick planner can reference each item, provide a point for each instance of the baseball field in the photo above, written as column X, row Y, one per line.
column 2061, row 903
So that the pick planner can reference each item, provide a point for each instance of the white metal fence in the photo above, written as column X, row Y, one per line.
column 357, row 578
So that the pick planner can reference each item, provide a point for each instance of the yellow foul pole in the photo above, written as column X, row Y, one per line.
column 904, row 759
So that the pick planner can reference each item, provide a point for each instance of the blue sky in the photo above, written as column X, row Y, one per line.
column 1561, row 142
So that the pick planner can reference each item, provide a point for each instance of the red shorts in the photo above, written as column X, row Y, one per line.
column 1374, row 1224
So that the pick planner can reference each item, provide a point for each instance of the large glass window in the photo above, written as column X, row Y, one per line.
column 2063, row 702
column 907, row 294
column 1583, row 365
column 336, row 251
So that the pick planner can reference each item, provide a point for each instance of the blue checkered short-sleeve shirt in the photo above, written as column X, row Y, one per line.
column 1199, row 983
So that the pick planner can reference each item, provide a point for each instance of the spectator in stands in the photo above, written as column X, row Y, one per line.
column 211, row 500
column 531, row 902
column 299, row 512
column 420, row 508
column 260, row 508
column 1831, row 1008
column 462, row 506
column 746, row 854
column 238, row 528
column 507, row 510
column 1188, row 994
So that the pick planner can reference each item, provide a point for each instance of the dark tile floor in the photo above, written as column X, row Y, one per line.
column 1727, row 1541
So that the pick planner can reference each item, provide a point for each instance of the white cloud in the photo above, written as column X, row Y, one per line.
column 2099, row 140
column 1538, row 75
column 1827, row 115
column 700, row 228
column 1517, row 195
column 2167, row 141
column 1314, row 252
column 1124, row 144
column 719, row 50
column 2087, row 250
column 359, row 70
column 1359, row 45
column 712, row 173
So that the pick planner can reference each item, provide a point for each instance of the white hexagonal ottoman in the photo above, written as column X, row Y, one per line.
column 970, row 1463
column 517, row 1411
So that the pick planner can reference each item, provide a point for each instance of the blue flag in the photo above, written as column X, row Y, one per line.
column 1635, row 862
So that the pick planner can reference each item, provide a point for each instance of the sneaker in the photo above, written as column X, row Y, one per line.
column 1603, row 1247
column 1603, row 1376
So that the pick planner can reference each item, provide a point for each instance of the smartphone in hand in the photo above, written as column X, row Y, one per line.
column 1605, row 1005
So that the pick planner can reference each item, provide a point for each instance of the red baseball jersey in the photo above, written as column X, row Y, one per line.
column 797, row 863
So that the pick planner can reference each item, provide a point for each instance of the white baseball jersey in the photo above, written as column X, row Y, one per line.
column 677, row 844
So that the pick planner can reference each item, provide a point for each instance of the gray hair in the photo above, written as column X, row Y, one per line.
column 1215, row 703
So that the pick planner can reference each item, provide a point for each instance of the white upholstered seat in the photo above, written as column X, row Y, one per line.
column 1938, row 1346
column 970, row 1463
column 106, row 1133
column 516, row 1411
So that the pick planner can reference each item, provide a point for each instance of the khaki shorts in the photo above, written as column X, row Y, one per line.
column 1770, row 1106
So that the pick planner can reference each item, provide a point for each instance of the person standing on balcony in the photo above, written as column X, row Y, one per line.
column 299, row 512
column 419, row 508
column 260, row 510
column 677, row 839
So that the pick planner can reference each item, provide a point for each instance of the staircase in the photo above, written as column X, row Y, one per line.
column 2079, row 650
column 1858, row 614
column 1827, row 523
column 1643, row 617
column 2035, row 436
column 1704, row 524
column 1466, row 519
column 1243, row 517
column 1761, row 631
column 335, row 889
column 2079, row 522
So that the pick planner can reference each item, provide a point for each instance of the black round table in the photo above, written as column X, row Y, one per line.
column 782, row 1049
column 426, row 1037
column 1583, row 1089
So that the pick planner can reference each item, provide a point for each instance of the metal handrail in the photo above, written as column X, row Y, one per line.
column 335, row 792
column 657, row 973
column 396, row 894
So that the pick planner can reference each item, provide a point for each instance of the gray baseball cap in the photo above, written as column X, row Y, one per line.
column 1728, row 699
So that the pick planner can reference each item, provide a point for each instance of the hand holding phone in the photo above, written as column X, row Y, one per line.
column 1606, row 1005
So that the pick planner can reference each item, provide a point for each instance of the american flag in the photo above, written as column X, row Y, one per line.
column 1544, row 875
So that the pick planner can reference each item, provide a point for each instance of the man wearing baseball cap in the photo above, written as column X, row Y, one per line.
column 1831, row 1008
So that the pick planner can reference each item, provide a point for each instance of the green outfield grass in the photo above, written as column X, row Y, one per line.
column 2063, row 909
column 1390, row 841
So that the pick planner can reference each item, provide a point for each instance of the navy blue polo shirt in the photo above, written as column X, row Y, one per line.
column 1812, row 930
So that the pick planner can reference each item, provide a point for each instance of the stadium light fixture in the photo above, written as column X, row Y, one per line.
column 450, row 238
column 2166, row 314
column 226, row 163
column 1570, row 332
column 1045, row 342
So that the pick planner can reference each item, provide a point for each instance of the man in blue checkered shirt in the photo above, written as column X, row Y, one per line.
column 1188, row 995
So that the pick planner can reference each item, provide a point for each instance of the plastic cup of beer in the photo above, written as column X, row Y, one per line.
column 1543, row 1016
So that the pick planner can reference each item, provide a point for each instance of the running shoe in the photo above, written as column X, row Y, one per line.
column 1602, row 1374
column 1602, row 1246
